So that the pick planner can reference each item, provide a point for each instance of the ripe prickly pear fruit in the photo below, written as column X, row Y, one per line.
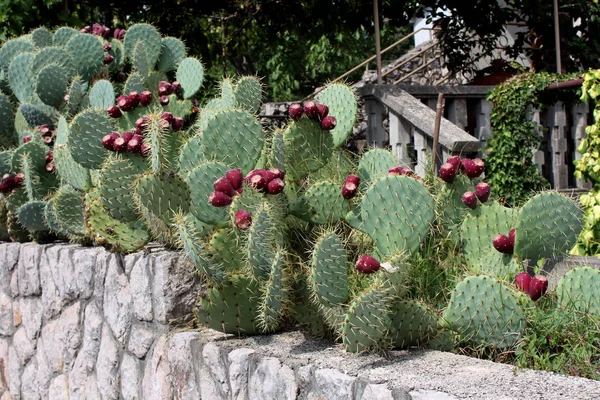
column 243, row 219
column 135, row 144
column 537, row 287
column 49, row 156
column 108, row 59
column 367, row 264
column 120, row 145
column 8, row 179
column 473, row 168
column 163, row 100
column 511, row 235
column 127, row 136
column 235, row 177
column 502, row 244
column 295, row 111
column 353, row 179
column 86, row 29
column 177, row 124
column 48, row 140
column 167, row 116
column 107, row 47
column 50, row 167
column 275, row 186
column 219, row 199
column 470, row 199
column 164, row 88
column 455, row 160
column 145, row 98
column 522, row 281
column 225, row 186
column 114, row 112
column 482, row 190
column 323, row 111
column 349, row 190
column 176, row 87
column 400, row 170
column 45, row 130
column 328, row 123
column 311, row 110
column 124, row 103
column 26, row 139
column 145, row 149
column 273, row 173
column 447, row 172
column 134, row 99
column 18, row 179
column 141, row 122
column 257, row 179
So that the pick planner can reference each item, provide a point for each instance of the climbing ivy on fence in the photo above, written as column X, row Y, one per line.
column 588, row 168
column 509, row 164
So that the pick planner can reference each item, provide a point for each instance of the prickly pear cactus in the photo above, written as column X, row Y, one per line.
column 578, row 290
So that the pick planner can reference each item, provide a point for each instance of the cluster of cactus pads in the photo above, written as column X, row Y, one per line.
column 136, row 160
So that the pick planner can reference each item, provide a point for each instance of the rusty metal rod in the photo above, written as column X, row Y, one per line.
column 573, row 83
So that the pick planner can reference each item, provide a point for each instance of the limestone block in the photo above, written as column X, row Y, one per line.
column 239, row 361
column 156, row 382
column 184, row 353
column 270, row 379
column 140, row 340
column 141, row 288
column 25, row 348
column 117, row 300
column 131, row 377
column 107, row 366
column 29, row 269
column 31, row 315
column 7, row 326
column 59, row 388
column 334, row 385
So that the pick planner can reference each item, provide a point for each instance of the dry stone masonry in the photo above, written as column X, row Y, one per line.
column 83, row 323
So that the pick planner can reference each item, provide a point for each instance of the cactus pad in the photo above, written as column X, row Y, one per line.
column 62, row 35
column 397, row 212
column 67, row 206
column 162, row 196
column 329, row 271
column 31, row 215
column 85, row 140
column 190, row 74
column 366, row 325
column 21, row 77
column 274, row 295
column 116, row 187
column 231, row 308
column 146, row 34
column 578, row 290
column 52, row 84
column 172, row 52
column 102, row 95
column 307, row 147
column 260, row 243
column 225, row 250
column 548, row 226
column 412, row 323
column 485, row 311
column 248, row 94
column 375, row 164
column 87, row 55
column 322, row 203
column 342, row 104
column 200, row 181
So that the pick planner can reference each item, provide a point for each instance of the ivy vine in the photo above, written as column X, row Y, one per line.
column 510, row 169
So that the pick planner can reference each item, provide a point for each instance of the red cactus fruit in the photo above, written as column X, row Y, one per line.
column 447, row 172
column 124, row 103
column 323, row 111
column 243, row 219
column 45, row 130
column 145, row 98
column 367, row 264
column 273, row 173
column 311, row 110
column 328, row 123
column 127, row 135
column 502, row 244
column 275, row 186
column 400, row 170
column 257, row 178
column 107, row 47
column 109, row 140
column 26, row 139
column 522, row 281
column 219, row 199
column 135, row 144
column 49, row 156
column 134, row 99
column 177, row 124
column 482, row 190
column 145, row 149
column 295, row 111
column 455, row 160
column 224, row 185
column 48, row 140
column 538, row 287
column 8, row 179
column 4, row 188
column 164, row 88
column 18, row 179
column 108, row 59
column 176, row 87
column 349, row 190
column 235, row 177
column 120, row 145
column 473, row 168
column 511, row 235
column 114, row 112
column 353, row 179
column 141, row 122
column 86, row 29
column 163, row 100
column 167, row 116
column 50, row 167
column 470, row 199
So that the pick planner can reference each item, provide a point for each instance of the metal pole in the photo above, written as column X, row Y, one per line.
column 377, row 41
column 557, row 38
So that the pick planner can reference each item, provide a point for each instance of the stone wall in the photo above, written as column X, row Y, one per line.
column 82, row 323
